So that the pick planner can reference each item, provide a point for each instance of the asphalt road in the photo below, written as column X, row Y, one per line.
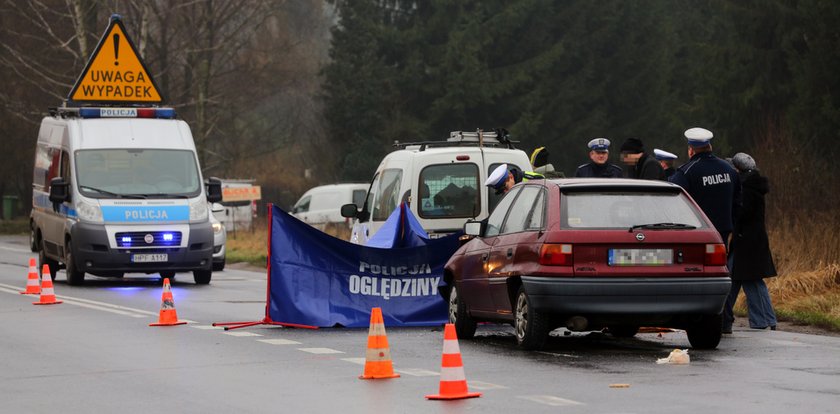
column 96, row 353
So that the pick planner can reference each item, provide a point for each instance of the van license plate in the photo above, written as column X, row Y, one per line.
column 640, row 257
column 149, row 258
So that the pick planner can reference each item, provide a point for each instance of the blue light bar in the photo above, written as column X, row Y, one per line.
column 160, row 113
column 89, row 112
column 165, row 113
column 167, row 237
column 126, row 239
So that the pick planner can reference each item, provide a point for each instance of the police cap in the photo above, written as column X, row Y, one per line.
column 663, row 155
column 698, row 137
column 498, row 177
column 599, row 145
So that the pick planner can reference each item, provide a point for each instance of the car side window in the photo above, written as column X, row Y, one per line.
column 497, row 217
column 535, row 222
column 303, row 205
column 520, row 212
column 388, row 197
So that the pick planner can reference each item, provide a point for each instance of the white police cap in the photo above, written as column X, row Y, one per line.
column 663, row 155
column 498, row 177
column 697, row 137
column 599, row 144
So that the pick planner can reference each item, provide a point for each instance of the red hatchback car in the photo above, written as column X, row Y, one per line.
column 590, row 254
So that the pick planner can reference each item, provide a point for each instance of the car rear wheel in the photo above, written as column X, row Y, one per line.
column 459, row 316
column 74, row 275
column 202, row 277
column 33, row 237
column 706, row 333
column 623, row 331
column 531, row 327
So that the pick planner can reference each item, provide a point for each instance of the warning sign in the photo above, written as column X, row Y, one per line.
column 115, row 72
column 241, row 193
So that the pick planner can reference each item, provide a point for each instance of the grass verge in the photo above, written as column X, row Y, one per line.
column 16, row 226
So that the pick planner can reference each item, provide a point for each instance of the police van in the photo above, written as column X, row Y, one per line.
column 441, row 181
column 120, row 190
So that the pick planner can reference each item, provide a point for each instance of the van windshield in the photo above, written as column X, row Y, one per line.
column 149, row 173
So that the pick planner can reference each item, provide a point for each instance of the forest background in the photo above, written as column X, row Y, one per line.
column 297, row 93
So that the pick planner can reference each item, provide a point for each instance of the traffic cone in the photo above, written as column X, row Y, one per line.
column 33, row 284
column 453, row 382
column 378, row 357
column 47, row 291
column 168, row 316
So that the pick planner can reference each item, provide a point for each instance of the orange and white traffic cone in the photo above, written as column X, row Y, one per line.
column 47, row 291
column 168, row 316
column 378, row 357
column 33, row 283
column 453, row 382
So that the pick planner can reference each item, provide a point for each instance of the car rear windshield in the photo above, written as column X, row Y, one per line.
column 626, row 209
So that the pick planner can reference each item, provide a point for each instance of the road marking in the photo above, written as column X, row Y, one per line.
column 481, row 385
column 208, row 327
column 279, row 341
column 556, row 354
column 12, row 249
column 241, row 333
column 418, row 372
column 91, row 304
column 14, row 291
column 320, row 351
column 357, row 361
column 550, row 400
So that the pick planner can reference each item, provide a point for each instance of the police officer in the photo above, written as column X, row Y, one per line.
column 503, row 179
column 666, row 160
column 599, row 152
column 639, row 164
column 711, row 181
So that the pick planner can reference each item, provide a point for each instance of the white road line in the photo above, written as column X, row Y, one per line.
column 279, row 341
column 12, row 249
column 550, row 400
column 208, row 327
column 15, row 291
column 481, row 385
column 90, row 304
column 417, row 372
column 240, row 333
column 357, row 361
column 320, row 351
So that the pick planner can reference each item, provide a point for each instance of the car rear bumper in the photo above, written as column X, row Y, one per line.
column 628, row 296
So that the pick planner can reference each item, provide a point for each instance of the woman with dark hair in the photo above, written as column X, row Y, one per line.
column 750, row 260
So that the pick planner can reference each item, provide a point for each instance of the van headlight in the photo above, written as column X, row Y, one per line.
column 198, row 210
column 88, row 211
column 217, row 228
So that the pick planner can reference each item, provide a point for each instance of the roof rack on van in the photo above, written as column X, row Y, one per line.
column 112, row 112
column 464, row 139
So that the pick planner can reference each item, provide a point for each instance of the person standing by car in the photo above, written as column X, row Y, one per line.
column 503, row 179
column 710, row 181
column 750, row 260
column 639, row 164
column 598, row 167
column 666, row 161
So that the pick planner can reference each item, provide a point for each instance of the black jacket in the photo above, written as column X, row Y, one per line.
column 590, row 170
column 647, row 168
column 752, row 259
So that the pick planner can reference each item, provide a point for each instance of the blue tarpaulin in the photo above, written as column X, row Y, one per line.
column 316, row 279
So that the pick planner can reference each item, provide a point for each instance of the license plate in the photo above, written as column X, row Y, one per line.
column 640, row 257
column 149, row 258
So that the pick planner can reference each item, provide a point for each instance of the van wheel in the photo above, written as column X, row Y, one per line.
column 623, row 331
column 74, row 275
column 43, row 259
column 33, row 237
column 202, row 277
column 532, row 327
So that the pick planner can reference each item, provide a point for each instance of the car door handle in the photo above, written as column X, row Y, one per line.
column 510, row 253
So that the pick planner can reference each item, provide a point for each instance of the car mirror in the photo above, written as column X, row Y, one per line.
column 59, row 190
column 214, row 190
column 474, row 228
column 349, row 211
column 217, row 208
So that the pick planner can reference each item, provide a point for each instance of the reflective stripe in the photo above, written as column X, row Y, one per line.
column 378, row 354
column 451, row 347
column 47, row 291
column 32, row 282
column 376, row 329
column 452, row 374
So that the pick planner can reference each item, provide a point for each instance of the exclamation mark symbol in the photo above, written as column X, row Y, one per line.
column 116, row 49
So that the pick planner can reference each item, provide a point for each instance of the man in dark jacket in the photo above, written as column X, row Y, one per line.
column 599, row 165
column 750, row 259
column 639, row 164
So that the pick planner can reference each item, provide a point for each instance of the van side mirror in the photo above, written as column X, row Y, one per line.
column 59, row 191
column 474, row 228
column 349, row 211
column 214, row 190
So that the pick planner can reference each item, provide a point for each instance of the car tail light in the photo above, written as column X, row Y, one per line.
column 556, row 254
column 715, row 255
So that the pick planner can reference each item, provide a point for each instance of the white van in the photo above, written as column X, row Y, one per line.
column 322, row 205
column 442, row 182
column 119, row 190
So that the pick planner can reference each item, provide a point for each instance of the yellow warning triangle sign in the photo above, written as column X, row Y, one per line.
column 115, row 72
